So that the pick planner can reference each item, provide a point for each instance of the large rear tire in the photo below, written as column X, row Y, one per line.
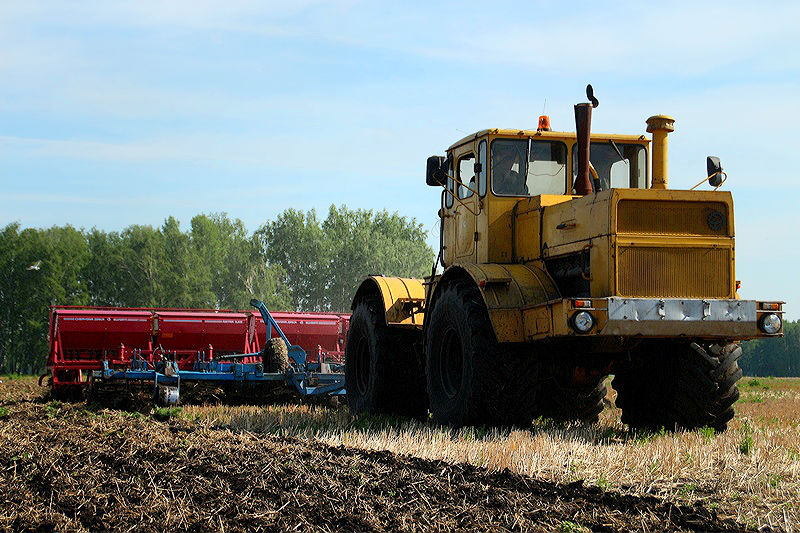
column 382, row 372
column 473, row 380
column 679, row 385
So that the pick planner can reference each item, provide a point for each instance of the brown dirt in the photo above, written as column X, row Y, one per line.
column 63, row 467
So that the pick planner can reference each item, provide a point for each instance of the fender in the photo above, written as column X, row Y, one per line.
column 403, row 299
column 509, row 290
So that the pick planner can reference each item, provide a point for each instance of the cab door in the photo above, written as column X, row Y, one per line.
column 465, row 211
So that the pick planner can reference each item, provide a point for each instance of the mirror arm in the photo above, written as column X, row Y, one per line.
column 718, row 173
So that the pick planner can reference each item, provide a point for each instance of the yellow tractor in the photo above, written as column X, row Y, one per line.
column 565, row 258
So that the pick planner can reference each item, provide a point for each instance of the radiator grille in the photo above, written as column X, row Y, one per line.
column 674, row 272
column 673, row 218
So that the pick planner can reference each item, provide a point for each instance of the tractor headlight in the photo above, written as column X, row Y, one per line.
column 582, row 321
column 770, row 323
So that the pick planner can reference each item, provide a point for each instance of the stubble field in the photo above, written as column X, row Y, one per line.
column 69, row 466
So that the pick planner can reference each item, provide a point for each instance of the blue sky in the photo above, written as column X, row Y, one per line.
column 119, row 113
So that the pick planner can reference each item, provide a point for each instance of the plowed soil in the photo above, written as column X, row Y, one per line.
column 63, row 467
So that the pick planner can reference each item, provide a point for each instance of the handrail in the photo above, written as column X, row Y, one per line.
column 455, row 196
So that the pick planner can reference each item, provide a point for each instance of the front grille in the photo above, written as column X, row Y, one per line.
column 664, row 217
column 666, row 272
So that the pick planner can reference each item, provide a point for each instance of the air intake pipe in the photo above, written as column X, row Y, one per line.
column 583, row 127
column 660, row 126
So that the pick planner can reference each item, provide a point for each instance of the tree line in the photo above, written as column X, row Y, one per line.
column 295, row 262
column 777, row 356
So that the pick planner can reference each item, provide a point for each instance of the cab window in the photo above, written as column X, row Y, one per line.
column 448, row 194
column 466, row 175
column 528, row 167
column 482, row 172
column 619, row 165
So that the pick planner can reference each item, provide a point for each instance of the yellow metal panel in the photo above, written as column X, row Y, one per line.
column 465, row 230
column 673, row 195
column 509, row 288
column 508, row 324
column 674, row 272
column 525, row 217
column 602, row 267
column 527, row 245
column 498, row 212
column 403, row 300
column 673, row 217
column 665, row 246
column 538, row 321
column 484, row 243
column 566, row 249
column 578, row 220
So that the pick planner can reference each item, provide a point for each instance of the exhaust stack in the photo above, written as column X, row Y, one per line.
column 659, row 126
column 583, row 127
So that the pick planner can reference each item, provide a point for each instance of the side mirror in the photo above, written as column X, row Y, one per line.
column 714, row 168
column 436, row 173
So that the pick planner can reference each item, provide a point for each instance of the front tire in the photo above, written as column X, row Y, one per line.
column 684, row 385
column 471, row 379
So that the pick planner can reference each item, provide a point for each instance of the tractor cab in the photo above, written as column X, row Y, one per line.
column 521, row 163
column 529, row 163
column 486, row 174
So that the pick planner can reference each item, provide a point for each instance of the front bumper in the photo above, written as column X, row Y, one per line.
column 725, row 318
column 666, row 317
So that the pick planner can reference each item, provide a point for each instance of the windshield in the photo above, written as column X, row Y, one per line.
column 527, row 167
column 618, row 165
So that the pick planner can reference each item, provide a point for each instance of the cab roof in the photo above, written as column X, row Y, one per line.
column 547, row 135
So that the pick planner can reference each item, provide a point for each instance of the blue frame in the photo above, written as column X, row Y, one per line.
column 306, row 377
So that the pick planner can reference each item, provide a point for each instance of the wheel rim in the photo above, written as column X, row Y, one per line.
column 451, row 364
column 362, row 366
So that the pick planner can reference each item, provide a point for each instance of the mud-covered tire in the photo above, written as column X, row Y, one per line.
column 471, row 379
column 382, row 371
column 566, row 402
column 275, row 356
column 683, row 385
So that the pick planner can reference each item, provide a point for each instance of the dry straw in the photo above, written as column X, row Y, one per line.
column 750, row 473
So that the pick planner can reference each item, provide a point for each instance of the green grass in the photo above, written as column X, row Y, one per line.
column 571, row 527
column 774, row 480
column 165, row 413
column 761, row 384
column 746, row 445
column 52, row 408
column 687, row 490
column 707, row 433
column 645, row 436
